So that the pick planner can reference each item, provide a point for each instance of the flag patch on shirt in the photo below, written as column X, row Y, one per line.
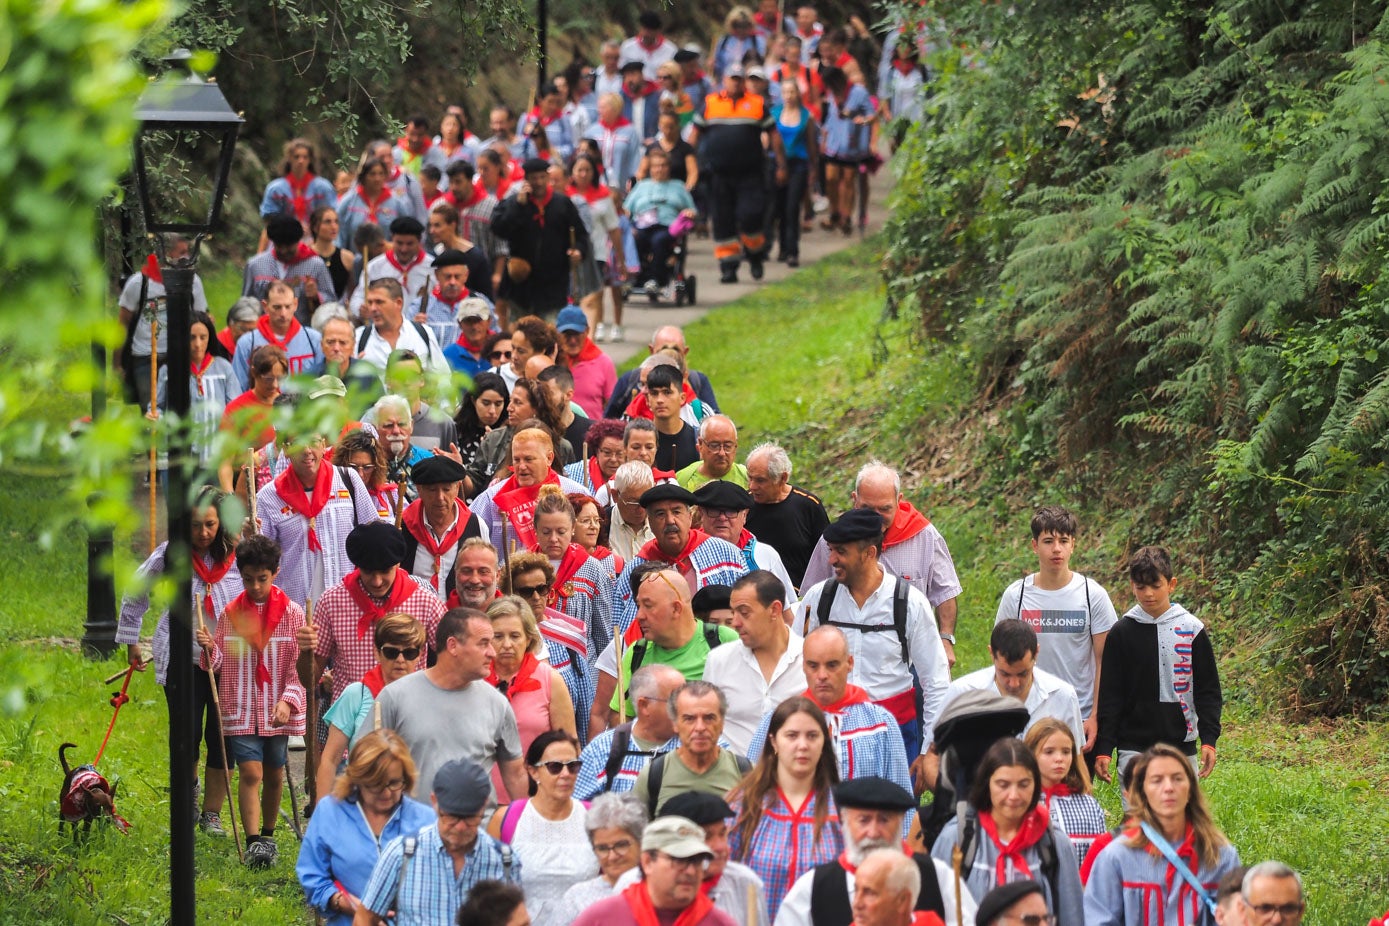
column 1044, row 621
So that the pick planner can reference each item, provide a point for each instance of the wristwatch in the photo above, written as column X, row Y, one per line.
column 948, row 638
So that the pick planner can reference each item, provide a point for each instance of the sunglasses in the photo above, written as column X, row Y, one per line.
column 527, row 591
column 392, row 653
column 554, row 768
column 500, row 355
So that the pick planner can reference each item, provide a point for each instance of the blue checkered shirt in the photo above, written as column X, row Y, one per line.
column 593, row 777
column 431, row 895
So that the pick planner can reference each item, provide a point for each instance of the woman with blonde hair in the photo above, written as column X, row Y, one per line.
column 566, row 642
column 1167, row 863
column 370, row 805
column 581, row 586
column 785, row 806
column 537, row 693
column 1066, row 784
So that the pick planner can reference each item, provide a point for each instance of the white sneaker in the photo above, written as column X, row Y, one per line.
column 600, row 333
column 615, row 334
column 668, row 293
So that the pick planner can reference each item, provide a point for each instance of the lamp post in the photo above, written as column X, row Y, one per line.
column 181, row 114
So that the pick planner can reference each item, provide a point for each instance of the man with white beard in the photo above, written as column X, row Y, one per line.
column 871, row 811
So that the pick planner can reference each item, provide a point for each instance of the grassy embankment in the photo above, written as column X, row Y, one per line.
column 806, row 362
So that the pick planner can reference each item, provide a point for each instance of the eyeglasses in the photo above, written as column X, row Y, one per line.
column 554, row 768
column 529, row 591
column 613, row 848
column 660, row 574
column 1033, row 919
column 500, row 355
column 1288, row 911
column 721, row 446
column 589, row 522
column 395, row 784
column 392, row 653
column 362, row 467
column 624, row 502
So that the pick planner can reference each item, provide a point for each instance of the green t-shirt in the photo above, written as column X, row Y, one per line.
column 690, row 479
column 688, row 660
column 676, row 778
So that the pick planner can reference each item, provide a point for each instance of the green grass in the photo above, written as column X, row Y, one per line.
column 807, row 362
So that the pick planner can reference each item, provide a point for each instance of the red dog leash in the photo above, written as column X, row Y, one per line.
column 117, row 700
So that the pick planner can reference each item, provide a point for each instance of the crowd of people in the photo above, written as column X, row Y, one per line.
column 558, row 652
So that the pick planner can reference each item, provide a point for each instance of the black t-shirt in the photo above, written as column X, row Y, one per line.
column 682, row 150
column 575, row 434
column 792, row 527
column 676, row 451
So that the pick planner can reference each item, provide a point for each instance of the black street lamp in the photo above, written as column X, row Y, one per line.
column 181, row 117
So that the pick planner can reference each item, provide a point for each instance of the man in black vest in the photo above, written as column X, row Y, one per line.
column 871, row 811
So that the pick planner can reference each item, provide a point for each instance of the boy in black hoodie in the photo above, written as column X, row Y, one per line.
column 1159, row 682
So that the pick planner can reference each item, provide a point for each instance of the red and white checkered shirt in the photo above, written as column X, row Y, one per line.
column 248, row 707
column 336, row 615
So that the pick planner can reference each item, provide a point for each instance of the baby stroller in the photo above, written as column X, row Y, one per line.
column 682, row 285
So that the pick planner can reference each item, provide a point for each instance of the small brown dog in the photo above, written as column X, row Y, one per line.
column 86, row 796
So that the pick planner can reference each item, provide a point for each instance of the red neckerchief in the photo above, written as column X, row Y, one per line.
column 405, row 269
column 589, row 351
column 922, row 918
column 543, row 119
column 614, row 126
column 1186, row 851
column 644, row 911
column 843, row 59
column 904, row 65
column 299, row 190
column 469, row 346
column 292, row 491
column 592, row 195
column 681, row 561
column 373, row 206
column 540, row 202
column 263, row 326
column 907, row 524
column 853, row 694
column 256, row 627
column 1060, row 789
column 517, row 503
column 524, row 680
column 302, row 252
column 646, row 90
column 379, row 495
column 478, row 195
column 574, row 557
column 744, row 539
column 198, row 369
column 152, row 270
column 374, row 680
column 395, row 174
column 210, row 576
column 1034, row 825
column 444, row 147
column 403, row 587
column 451, row 302
column 651, row 44
column 413, row 521
column 851, row 868
column 405, row 146
column 707, row 886
column 595, row 474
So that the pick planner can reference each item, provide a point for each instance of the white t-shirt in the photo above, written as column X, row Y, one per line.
column 1065, row 620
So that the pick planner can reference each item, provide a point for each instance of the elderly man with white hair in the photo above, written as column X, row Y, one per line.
column 629, row 531
column 783, row 515
column 887, row 885
column 913, row 549
column 394, row 421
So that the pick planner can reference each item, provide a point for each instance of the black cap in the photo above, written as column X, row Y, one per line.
column 1001, row 898
column 714, row 598
column 700, row 806
column 873, row 793
column 407, row 225
column 722, row 495
column 666, row 492
column 433, row 471
column 375, row 546
column 461, row 788
column 631, row 64
column 450, row 258
column 684, row 55
column 284, row 229
column 855, row 524
column 535, row 166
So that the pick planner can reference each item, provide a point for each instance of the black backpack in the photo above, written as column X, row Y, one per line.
column 899, row 615
column 657, row 772
column 711, row 639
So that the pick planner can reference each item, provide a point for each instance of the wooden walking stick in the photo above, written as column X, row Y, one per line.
column 154, row 429
column 506, row 554
column 251, row 489
column 221, row 732
column 311, row 722
column 399, row 501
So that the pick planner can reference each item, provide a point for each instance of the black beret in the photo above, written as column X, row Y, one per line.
column 284, row 229
column 375, row 546
column 535, row 166
column 855, row 524
column 722, row 495
column 450, row 258
column 686, row 54
column 436, row 470
column 407, row 225
column 698, row 806
column 666, row 492
column 631, row 64
column 873, row 793
column 1001, row 898
column 711, row 598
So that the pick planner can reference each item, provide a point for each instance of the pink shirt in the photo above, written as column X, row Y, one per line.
column 594, row 381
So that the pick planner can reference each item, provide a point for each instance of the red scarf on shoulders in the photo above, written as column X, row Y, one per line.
column 210, row 576
column 614, row 126
column 907, row 524
column 405, row 268
column 589, row 351
column 651, row 552
column 152, row 271
column 263, row 326
column 373, row 206
column 853, row 694
column 540, row 201
column 292, row 491
column 1034, row 825
column 302, row 252
column 402, row 588
column 478, row 195
column 638, row 407
column 523, row 681
column 450, row 302
column 517, row 503
column 644, row 911
column 257, row 627
column 469, row 346
column 570, row 563
column 413, row 521
column 299, row 192
column 595, row 474
column 198, row 369
column 374, row 680
column 592, row 195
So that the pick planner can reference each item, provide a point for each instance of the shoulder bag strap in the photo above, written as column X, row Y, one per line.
column 1175, row 861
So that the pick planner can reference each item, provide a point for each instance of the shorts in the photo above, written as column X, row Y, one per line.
column 846, row 163
column 271, row 751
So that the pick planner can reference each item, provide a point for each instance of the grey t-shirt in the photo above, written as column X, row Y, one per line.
column 154, row 303
column 1064, row 626
column 474, row 722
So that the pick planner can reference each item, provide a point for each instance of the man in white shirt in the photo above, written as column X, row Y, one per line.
column 888, row 624
column 648, row 46
column 386, row 330
column 406, row 261
column 764, row 667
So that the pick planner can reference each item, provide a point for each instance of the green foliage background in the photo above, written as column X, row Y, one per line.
column 1160, row 229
